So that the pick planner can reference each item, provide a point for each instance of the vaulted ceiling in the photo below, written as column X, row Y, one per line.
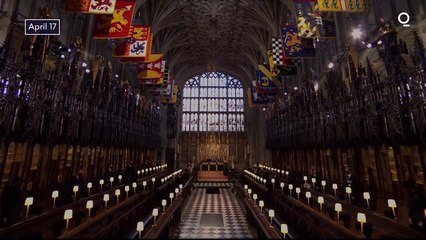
column 195, row 36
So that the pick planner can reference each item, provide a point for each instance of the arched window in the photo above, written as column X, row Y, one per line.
column 213, row 102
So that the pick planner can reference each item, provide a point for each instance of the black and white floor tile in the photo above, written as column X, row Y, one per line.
column 225, row 203
column 213, row 184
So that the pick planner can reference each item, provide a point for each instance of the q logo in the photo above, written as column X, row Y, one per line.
column 404, row 19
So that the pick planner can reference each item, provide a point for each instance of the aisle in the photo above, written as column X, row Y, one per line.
column 213, row 211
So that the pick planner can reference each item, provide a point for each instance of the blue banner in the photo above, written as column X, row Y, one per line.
column 295, row 46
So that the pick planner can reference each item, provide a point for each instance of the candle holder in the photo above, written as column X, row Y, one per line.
column 361, row 218
column 261, row 205
column 111, row 180
column 349, row 191
column 271, row 216
column 89, row 206
column 323, row 183
column 284, row 229
column 139, row 229
column 117, row 194
column 67, row 217
column 155, row 214
column 392, row 204
column 106, row 199
column 338, row 209
column 75, row 190
column 334, row 186
column 55, row 194
column 28, row 202
column 134, row 185
column 89, row 186
column 298, row 192
column 308, row 196
column 321, row 202
column 127, row 189
column 101, row 182
column 366, row 196
column 171, row 195
column 164, row 204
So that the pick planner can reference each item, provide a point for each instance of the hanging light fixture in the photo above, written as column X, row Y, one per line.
column 356, row 33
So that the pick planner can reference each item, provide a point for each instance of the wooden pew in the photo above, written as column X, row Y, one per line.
column 320, row 224
column 264, row 229
column 117, row 213
column 40, row 225
column 121, row 218
column 167, row 223
column 379, row 225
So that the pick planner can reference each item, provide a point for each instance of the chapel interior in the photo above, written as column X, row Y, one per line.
column 216, row 119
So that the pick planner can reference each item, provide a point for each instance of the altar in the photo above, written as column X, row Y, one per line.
column 212, row 172
column 211, row 166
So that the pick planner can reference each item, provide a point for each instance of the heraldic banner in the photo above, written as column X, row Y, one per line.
column 116, row 25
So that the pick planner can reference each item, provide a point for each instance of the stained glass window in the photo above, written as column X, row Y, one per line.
column 213, row 102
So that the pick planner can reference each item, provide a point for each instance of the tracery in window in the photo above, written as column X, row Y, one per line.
column 213, row 102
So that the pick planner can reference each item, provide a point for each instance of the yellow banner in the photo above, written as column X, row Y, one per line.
column 152, row 58
column 271, row 59
column 274, row 70
column 330, row 5
column 172, row 99
column 362, row 5
column 354, row 6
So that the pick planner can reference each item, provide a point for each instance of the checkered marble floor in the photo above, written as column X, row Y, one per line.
column 212, row 184
column 225, row 203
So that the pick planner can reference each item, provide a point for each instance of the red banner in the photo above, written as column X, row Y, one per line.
column 152, row 58
column 137, row 45
column 77, row 5
column 151, row 70
column 116, row 25
column 140, row 32
column 102, row 6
